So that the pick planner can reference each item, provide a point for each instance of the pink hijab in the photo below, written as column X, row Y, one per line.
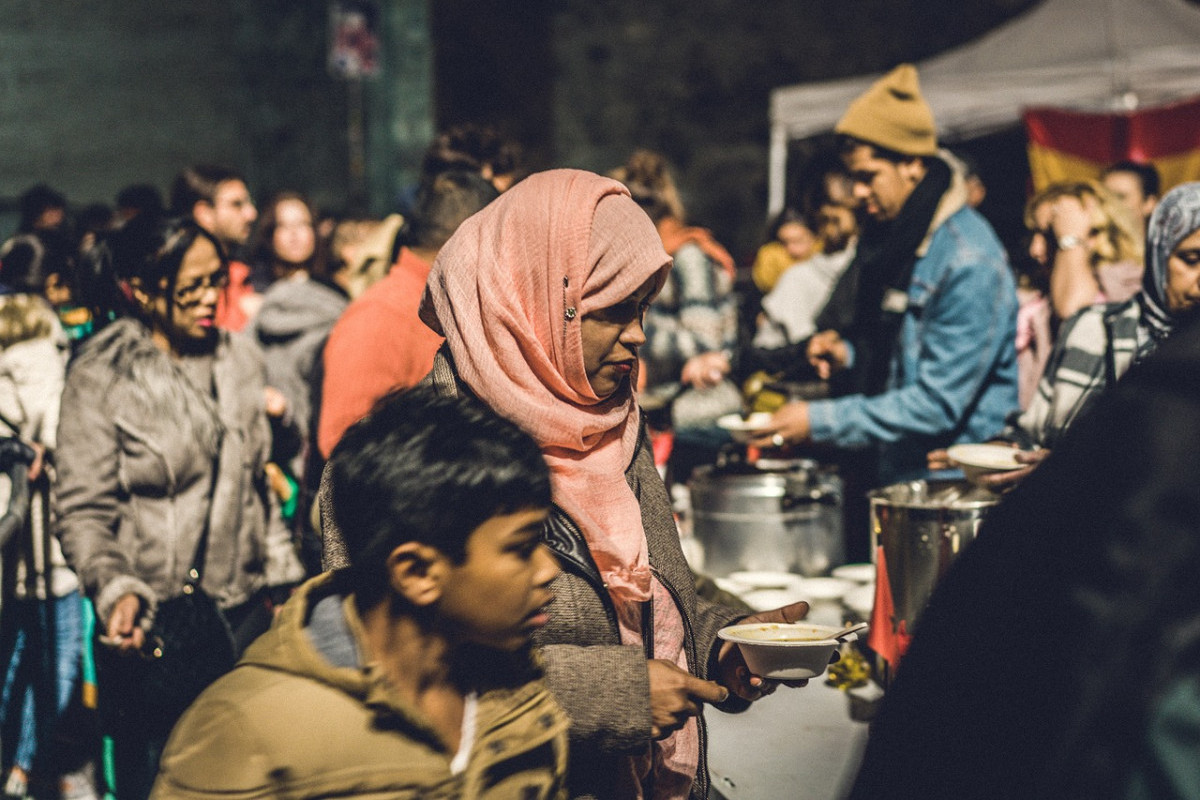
column 509, row 291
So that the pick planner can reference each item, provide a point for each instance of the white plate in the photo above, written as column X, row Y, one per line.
column 859, row 573
column 861, row 600
column 732, row 586
column 999, row 457
column 743, row 429
column 778, row 464
column 817, row 589
column 788, row 581
column 734, row 422
column 769, row 599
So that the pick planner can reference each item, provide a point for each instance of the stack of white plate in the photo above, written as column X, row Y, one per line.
column 763, row 591
column 860, row 599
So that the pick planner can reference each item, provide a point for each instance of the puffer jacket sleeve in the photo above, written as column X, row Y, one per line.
column 86, row 495
column 283, row 565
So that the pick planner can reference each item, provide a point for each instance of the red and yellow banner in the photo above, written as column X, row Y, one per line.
column 1076, row 145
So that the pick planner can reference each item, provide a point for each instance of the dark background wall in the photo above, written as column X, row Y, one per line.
column 693, row 80
column 84, row 86
column 95, row 94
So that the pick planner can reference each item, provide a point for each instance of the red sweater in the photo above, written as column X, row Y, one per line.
column 231, row 310
column 377, row 345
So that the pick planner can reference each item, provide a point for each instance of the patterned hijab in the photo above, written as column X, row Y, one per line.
column 1175, row 217
column 509, row 291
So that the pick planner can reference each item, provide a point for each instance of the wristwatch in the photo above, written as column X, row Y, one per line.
column 1069, row 241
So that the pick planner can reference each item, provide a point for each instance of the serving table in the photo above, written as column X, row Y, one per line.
column 799, row 744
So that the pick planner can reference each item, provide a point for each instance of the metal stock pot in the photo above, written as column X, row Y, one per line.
column 922, row 526
column 783, row 519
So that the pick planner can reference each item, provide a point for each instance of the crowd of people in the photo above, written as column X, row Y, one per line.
column 396, row 469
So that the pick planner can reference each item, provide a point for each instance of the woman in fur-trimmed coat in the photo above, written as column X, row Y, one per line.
column 163, row 435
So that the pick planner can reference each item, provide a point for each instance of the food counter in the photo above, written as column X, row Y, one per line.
column 799, row 744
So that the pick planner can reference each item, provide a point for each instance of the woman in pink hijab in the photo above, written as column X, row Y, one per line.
column 540, row 297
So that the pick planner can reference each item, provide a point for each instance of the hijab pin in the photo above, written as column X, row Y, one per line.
column 569, row 313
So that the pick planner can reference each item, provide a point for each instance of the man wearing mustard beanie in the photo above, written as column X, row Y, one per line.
column 919, row 332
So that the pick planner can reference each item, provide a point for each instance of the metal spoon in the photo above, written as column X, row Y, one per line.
column 855, row 628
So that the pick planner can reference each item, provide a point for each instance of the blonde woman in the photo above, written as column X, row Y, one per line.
column 691, row 329
column 1090, row 243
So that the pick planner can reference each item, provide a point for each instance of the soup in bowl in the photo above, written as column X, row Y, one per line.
column 784, row 651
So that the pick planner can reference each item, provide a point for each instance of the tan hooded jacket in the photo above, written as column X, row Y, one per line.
column 299, row 717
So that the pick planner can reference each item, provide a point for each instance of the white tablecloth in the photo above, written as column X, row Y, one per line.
column 799, row 744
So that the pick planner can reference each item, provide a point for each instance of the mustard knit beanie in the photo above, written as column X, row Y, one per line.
column 892, row 114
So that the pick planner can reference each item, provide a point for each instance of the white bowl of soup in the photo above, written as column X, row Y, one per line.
column 783, row 651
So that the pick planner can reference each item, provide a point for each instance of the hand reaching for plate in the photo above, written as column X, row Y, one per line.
column 995, row 466
column 1005, row 481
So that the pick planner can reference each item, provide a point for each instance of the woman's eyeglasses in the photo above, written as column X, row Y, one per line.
column 193, row 293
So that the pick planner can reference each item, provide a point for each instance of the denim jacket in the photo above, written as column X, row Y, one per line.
column 953, row 377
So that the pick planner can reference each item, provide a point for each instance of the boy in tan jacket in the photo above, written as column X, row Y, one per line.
column 408, row 673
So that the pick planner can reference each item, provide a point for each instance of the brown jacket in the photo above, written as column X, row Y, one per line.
column 300, row 717
column 604, row 685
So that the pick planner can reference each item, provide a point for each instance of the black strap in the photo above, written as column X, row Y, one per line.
column 882, row 265
column 16, row 430
column 1110, row 355
column 197, row 569
column 202, row 543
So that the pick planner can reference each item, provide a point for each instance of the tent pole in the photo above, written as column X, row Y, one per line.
column 776, row 170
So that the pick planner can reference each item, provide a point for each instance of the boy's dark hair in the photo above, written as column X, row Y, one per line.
column 1147, row 175
column 142, row 198
column 198, row 183
column 428, row 468
column 94, row 218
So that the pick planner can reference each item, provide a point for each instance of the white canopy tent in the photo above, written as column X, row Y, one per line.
column 1078, row 54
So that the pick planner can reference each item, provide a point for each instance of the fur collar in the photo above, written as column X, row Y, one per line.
column 148, row 384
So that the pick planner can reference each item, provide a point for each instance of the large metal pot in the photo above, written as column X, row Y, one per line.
column 922, row 526
column 785, row 519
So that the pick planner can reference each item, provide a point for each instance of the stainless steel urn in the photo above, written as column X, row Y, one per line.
column 779, row 520
column 922, row 526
